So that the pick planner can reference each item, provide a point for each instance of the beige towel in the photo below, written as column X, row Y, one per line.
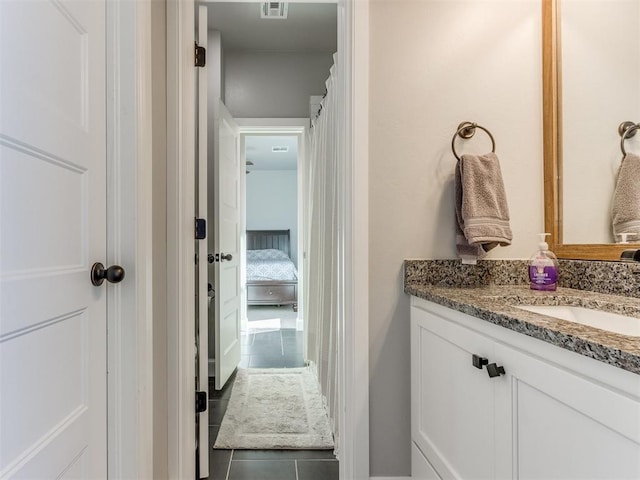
column 481, row 207
column 625, row 210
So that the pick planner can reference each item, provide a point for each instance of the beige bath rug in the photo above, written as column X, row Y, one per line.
column 275, row 408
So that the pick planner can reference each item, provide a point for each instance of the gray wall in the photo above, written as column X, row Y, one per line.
column 272, row 84
column 434, row 64
column 272, row 203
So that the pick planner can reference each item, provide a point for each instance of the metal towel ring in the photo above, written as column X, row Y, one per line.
column 467, row 130
column 628, row 133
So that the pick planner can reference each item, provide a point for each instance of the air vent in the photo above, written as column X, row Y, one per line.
column 279, row 149
column 274, row 10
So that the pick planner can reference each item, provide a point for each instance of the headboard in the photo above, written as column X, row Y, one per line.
column 263, row 239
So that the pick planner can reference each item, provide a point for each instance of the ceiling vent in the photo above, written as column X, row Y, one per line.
column 279, row 149
column 274, row 10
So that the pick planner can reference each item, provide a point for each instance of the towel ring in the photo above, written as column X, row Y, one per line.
column 467, row 130
column 629, row 132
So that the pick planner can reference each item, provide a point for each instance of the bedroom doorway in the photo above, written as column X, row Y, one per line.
column 273, row 323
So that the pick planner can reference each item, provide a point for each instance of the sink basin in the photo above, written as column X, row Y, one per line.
column 612, row 322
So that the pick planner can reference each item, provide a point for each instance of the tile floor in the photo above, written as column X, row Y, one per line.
column 265, row 348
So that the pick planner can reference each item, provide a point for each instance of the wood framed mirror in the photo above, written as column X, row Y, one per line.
column 553, row 147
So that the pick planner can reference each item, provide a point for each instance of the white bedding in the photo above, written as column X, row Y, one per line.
column 270, row 264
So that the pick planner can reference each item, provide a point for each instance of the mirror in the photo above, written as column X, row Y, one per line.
column 591, row 80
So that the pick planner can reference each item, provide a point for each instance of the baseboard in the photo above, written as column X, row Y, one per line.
column 389, row 478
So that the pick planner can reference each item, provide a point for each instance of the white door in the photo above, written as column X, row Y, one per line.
column 202, row 307
column 53, row 421
column 227, row 246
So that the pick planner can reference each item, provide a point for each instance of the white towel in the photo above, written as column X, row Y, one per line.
column 481, row 207
column 625, row 211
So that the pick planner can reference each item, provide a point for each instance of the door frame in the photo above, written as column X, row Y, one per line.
column 181, row 153
column 292, row 127
column 353, row 63
column 129, row 240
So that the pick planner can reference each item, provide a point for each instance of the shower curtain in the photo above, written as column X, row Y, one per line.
column 322, row 282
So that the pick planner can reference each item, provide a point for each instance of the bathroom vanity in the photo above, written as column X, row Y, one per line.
column 502, row 392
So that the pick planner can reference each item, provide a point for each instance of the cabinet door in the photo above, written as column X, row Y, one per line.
column 452, row 401
column 421, row 469
column 563, row 425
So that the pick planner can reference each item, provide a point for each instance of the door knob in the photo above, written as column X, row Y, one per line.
column 113, row 274
column 479, row 361
column 226, row 256
column 495, row 370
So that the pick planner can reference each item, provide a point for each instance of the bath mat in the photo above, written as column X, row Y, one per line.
column 275, row 408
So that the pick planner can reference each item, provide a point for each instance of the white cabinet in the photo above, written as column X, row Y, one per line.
column 553, row 414
column 565, row 425
column 452, row 402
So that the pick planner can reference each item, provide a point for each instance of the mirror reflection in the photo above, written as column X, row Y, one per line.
column 599, row 87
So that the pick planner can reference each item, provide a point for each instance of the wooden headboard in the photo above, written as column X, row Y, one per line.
column 263, row 239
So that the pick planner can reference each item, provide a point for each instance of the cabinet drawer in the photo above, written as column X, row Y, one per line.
column 271, row 293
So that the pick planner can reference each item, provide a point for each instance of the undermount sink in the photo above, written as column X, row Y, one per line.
column 611, row 322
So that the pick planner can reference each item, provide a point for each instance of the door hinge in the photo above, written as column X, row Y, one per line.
column 201, row 56
column 201, row 402
column 201, row 229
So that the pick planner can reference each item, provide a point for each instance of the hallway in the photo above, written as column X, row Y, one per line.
column 271, row 342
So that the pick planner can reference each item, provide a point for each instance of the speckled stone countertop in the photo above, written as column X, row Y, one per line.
column 490, row 290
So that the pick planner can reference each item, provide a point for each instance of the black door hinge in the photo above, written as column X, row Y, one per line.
column 201, row 229
column 201, row 402
column 201, row 56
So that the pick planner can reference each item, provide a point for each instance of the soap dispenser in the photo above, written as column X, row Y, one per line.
column 543, row 267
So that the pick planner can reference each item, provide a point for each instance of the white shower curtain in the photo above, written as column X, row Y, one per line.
column 322, row 282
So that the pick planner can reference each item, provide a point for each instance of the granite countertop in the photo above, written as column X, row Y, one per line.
column 495, row 304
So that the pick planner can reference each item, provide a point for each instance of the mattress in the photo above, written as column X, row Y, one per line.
column 270, row 264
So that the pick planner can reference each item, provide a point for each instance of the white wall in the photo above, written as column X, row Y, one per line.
column 273, row 85
column 434, row 64
column 272, row 197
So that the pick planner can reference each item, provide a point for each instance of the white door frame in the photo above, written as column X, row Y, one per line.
column 180, row 238
column 353, row 343
column 353, row 44
column 298, row 127
column 129, row 241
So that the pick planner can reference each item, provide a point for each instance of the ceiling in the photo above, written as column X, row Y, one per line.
column 258, row 149
column 309, row 27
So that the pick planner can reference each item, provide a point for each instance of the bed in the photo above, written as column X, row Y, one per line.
column 272, row 278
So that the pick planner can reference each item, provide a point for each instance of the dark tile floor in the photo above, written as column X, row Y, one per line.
column 265, row 349
column 272, row 349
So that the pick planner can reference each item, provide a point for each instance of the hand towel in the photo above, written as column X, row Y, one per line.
column 625, row 211
column 481, row 207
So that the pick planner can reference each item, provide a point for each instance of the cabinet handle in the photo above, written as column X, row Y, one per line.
column 478, row 361
column 495, row 370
